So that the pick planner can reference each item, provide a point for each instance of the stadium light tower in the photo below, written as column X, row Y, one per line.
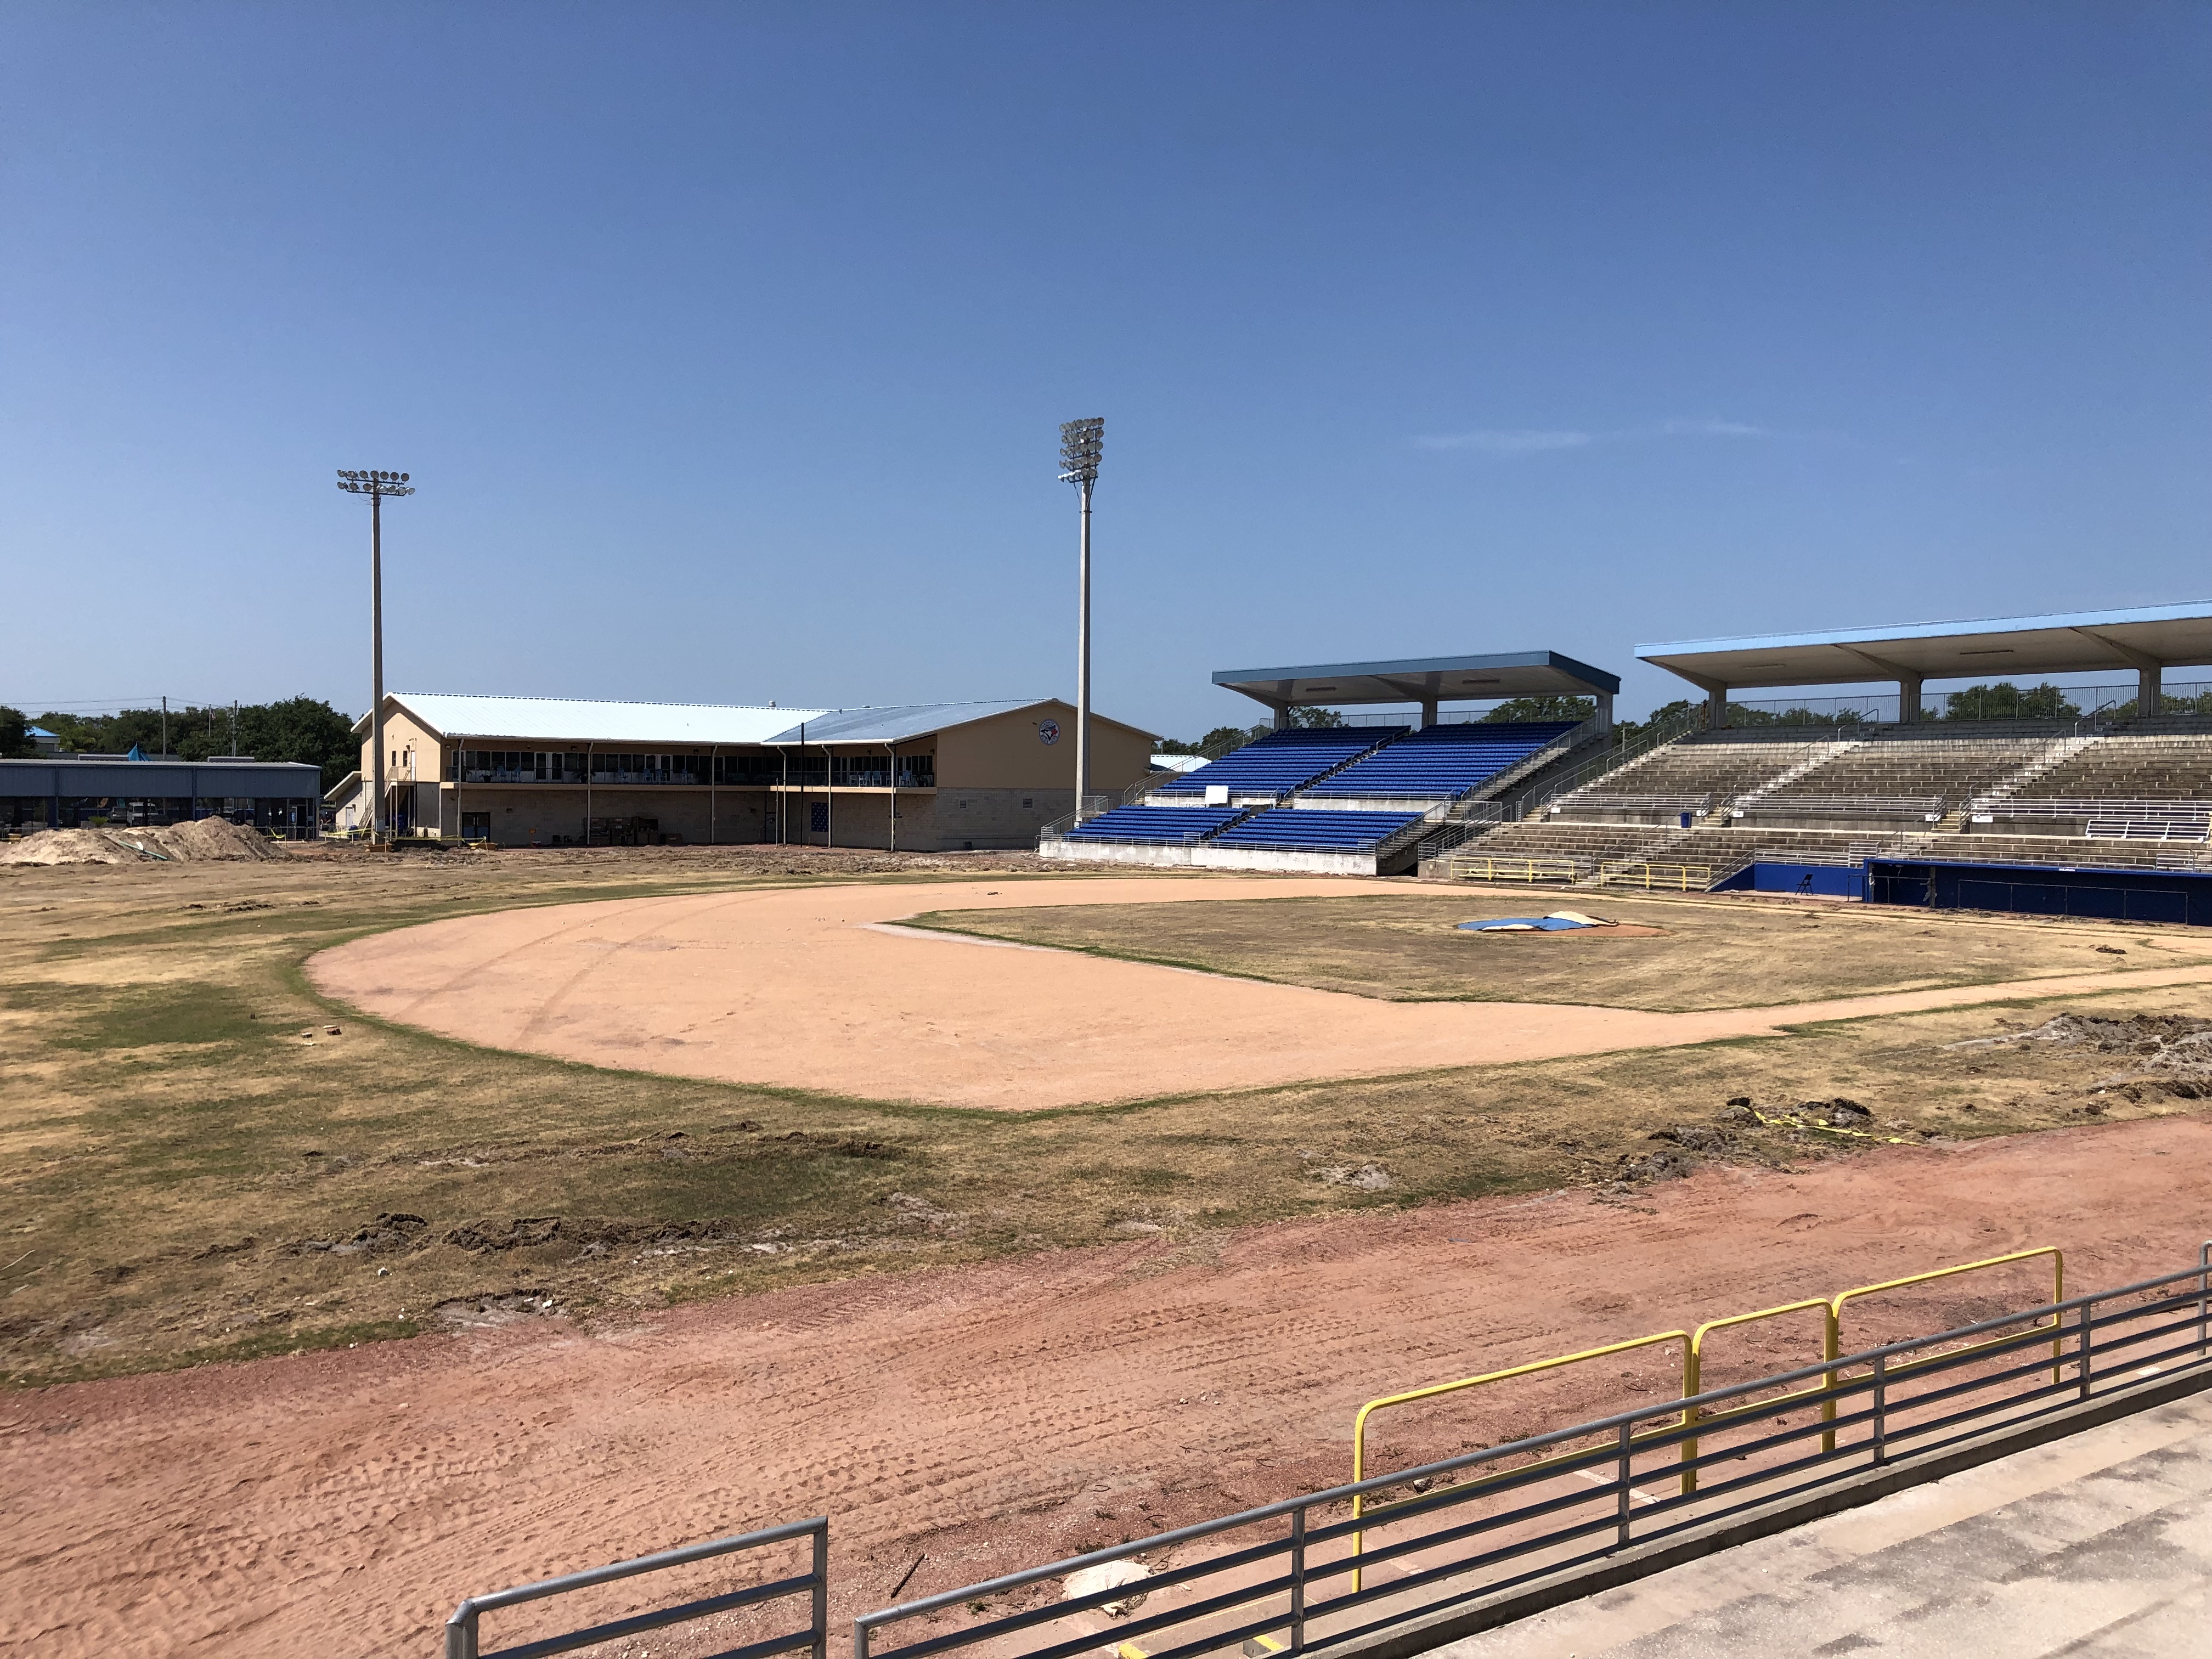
column 1081, row 443
column 376, row 486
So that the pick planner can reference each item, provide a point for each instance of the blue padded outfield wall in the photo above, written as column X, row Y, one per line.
column 1819, row 880
column 2169, row 896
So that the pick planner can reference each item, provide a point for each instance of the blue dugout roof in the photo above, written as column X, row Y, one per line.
column 1421, row 679
column 2001, row 647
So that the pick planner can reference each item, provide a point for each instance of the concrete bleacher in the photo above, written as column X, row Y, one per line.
column 2134, row 784
column 1713, row 767
column 2134, row 800
column 1906, row 776
column 1278, row 763
column 1440, row 763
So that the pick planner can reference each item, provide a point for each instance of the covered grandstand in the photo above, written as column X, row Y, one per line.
column 1352, row 798
column 1708, row 801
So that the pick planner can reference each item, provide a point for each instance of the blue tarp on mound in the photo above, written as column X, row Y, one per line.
column 1539, row 924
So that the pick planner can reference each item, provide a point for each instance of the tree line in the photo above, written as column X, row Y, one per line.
column 304, row 729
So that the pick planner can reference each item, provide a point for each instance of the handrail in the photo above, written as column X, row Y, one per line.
column 461, row 1629
column 1902, row 1396
column 1652, row 737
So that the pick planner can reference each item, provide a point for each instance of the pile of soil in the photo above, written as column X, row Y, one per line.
column 199, row 842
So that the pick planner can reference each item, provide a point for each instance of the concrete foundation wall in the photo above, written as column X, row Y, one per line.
column 1204, row 856
column 1108, row 852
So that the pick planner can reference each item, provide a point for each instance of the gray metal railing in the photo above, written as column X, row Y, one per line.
column 461, row 1629
column 1315, row 1576
column 1657, row 735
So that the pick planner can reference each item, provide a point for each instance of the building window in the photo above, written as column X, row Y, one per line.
column 819, row 818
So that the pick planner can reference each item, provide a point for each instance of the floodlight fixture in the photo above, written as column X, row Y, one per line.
column 376, row 485
column 1081, row 443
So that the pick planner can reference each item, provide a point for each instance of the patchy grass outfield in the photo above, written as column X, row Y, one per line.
column 185, row 1176
column 1404, row 947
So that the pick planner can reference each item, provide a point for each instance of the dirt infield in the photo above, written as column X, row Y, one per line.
column 811, row 989
column 979, row 1419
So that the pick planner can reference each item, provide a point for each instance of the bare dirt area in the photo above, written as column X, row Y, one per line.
column 810, row 990
column 961, row 1422
column 1669, row 955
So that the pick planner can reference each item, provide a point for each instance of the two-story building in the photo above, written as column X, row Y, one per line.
column 557, row 772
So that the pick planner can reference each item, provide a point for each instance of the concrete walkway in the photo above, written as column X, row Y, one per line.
column 2099, row 1544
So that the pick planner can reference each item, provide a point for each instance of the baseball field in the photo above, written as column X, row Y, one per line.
column 996, row 1210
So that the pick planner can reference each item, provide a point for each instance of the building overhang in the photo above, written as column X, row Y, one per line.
column 2006, row 648
column 1421, row 680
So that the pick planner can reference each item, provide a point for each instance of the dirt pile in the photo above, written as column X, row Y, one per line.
column 197, row 842
column 2163, row 1054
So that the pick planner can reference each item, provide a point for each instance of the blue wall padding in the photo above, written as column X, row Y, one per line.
column 2167, row 896
column 1827, row 880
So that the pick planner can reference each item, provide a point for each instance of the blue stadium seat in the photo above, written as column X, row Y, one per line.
column 1282, row 761
column 1288, row 829
column 1170, row 826
column 1440, row 761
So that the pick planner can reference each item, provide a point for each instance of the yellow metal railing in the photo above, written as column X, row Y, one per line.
column 1674, row 878
column 1830, row 1310
column 1467, row 867
column 1834, row 1346
column 1359, row 1422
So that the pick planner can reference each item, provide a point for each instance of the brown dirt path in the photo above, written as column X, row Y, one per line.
column 806, row 988
column 987, row 1418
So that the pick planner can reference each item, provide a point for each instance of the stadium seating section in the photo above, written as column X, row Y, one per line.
column 1287, row 829
column 1170, row 826
column 2138, row 794
column 1282, row 761
column 1438, row 763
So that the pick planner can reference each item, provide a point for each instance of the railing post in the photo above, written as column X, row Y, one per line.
column 821, row 1626
column 2203, row 1294
column 1881, row 1409
column 461, row 1632
column 860, row 1638
column 1626, row 1452
column 1298, row 1579
column 2089, row 1317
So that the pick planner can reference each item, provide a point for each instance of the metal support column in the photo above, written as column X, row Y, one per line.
column 2150, row 690
column 1717, row 707
column 1082, row 665
column 1908, row 700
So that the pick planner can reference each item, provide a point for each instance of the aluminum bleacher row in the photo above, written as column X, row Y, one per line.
column 1281, row 761
column 1287, row 829
column 1168, row 826
column 1439, row 763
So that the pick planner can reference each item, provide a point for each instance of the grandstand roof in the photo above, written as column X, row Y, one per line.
column 2153, row 636
column 576, row 719
column 898, row 723
column 1421, row 679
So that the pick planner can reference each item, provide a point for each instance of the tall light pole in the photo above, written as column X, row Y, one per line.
column 1081, row 443
column 376, row 486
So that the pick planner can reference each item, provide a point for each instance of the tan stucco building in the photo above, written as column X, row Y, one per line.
column 553, row 772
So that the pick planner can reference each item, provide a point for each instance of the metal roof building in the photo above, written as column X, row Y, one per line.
column 65, row 791
column 2147, row 639
column 550, row 771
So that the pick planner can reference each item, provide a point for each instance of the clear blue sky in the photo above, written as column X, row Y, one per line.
column 728, row 342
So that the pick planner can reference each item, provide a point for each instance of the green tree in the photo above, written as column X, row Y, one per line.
column 1315, row 717
column 300, row 729
column 1544, row 708
column 2006, row 702
column 15, row 735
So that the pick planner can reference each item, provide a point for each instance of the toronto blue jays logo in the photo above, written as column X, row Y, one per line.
column 1048, row 731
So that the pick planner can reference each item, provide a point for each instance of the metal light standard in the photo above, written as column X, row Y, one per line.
column 376, row 486
column 1081, row 442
